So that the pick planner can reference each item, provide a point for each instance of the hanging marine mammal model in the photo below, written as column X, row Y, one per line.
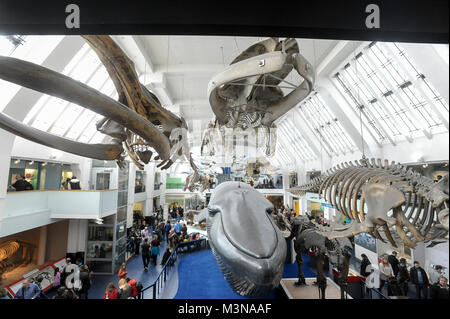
column 249, row 248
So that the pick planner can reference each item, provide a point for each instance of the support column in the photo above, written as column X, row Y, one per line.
column 130, row 196
column 150, row 188
column 42, row 245
column 286, row 196
column 163, row 195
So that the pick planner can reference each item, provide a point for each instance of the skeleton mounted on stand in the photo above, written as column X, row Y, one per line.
column 307, row 237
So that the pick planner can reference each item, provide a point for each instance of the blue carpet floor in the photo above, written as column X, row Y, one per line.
column 291, row 270
column 199, row 277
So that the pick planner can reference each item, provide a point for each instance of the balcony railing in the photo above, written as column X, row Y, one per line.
column 156, row 288
column 174, row 185
column 30, row 209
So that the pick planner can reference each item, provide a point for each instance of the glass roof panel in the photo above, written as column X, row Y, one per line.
column 324, row 125
column 395, row 96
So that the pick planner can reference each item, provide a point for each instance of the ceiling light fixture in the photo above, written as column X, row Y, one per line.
column 17, row 161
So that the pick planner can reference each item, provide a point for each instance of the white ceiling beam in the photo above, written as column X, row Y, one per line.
column 136, row 49
column 191, row 102
column 176, row 69
column 330, row 56
column 133, row 48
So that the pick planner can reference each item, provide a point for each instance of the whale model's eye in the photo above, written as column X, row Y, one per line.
column 213, row 210
column 269, row 210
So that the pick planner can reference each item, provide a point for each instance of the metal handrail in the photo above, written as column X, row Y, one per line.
column 158, row 284
column 373, row 289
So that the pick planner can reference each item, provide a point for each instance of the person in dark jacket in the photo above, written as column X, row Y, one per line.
column 21, row 184
column 74, row 183
column 419, row 279
column 392, row 258
column 403, row 276
column 167, row 229
column 137, row 244
column 363, row 267
column 85, row 277
column 166, row 256
column 146, row 254
column 439, row 290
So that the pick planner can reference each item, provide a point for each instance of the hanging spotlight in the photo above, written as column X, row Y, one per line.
column 44, row 164
column 17, row 161
column 31, row 162
column 99, row 221
column 425, row 165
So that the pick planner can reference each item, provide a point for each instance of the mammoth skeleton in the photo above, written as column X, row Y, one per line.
column 136, row 122
column 387, row 201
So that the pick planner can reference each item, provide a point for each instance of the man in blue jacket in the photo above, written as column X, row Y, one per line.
column 167, row 228
column 177, row 227
column 29, row 290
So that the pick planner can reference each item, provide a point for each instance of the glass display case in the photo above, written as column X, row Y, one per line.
column 106, row 240
column 139, row 186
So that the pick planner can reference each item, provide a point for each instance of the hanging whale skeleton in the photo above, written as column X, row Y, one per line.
column 136, row 123
column 248, row 94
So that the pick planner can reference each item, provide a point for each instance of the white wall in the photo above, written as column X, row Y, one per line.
column 77, row 236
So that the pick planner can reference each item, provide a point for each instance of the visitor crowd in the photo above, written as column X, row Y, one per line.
column 394, row 274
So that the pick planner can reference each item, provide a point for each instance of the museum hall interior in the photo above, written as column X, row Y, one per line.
column 223, row 167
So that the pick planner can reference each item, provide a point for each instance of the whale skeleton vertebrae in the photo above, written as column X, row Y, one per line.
column 387, row 200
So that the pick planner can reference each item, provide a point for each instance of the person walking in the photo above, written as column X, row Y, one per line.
column 145, row 254
column 155, row 249
column 394, row 262
column 167, row 229
column 386, row 272
column 74, row 183
column 177, row 227
column 85, row 278
column 123, row 271
column 137, row 245
column 21, row 184
column 111, row 292
column 363, row 267
column 403, row 276
column 439, row 290
column 28, row 290
column 419, row 279
column 3, row 293
column 124, row 289
column 134, row 288
column 436, row 274
column 56, row 279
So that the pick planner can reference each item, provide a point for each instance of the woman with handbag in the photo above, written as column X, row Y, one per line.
column 385, row 273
